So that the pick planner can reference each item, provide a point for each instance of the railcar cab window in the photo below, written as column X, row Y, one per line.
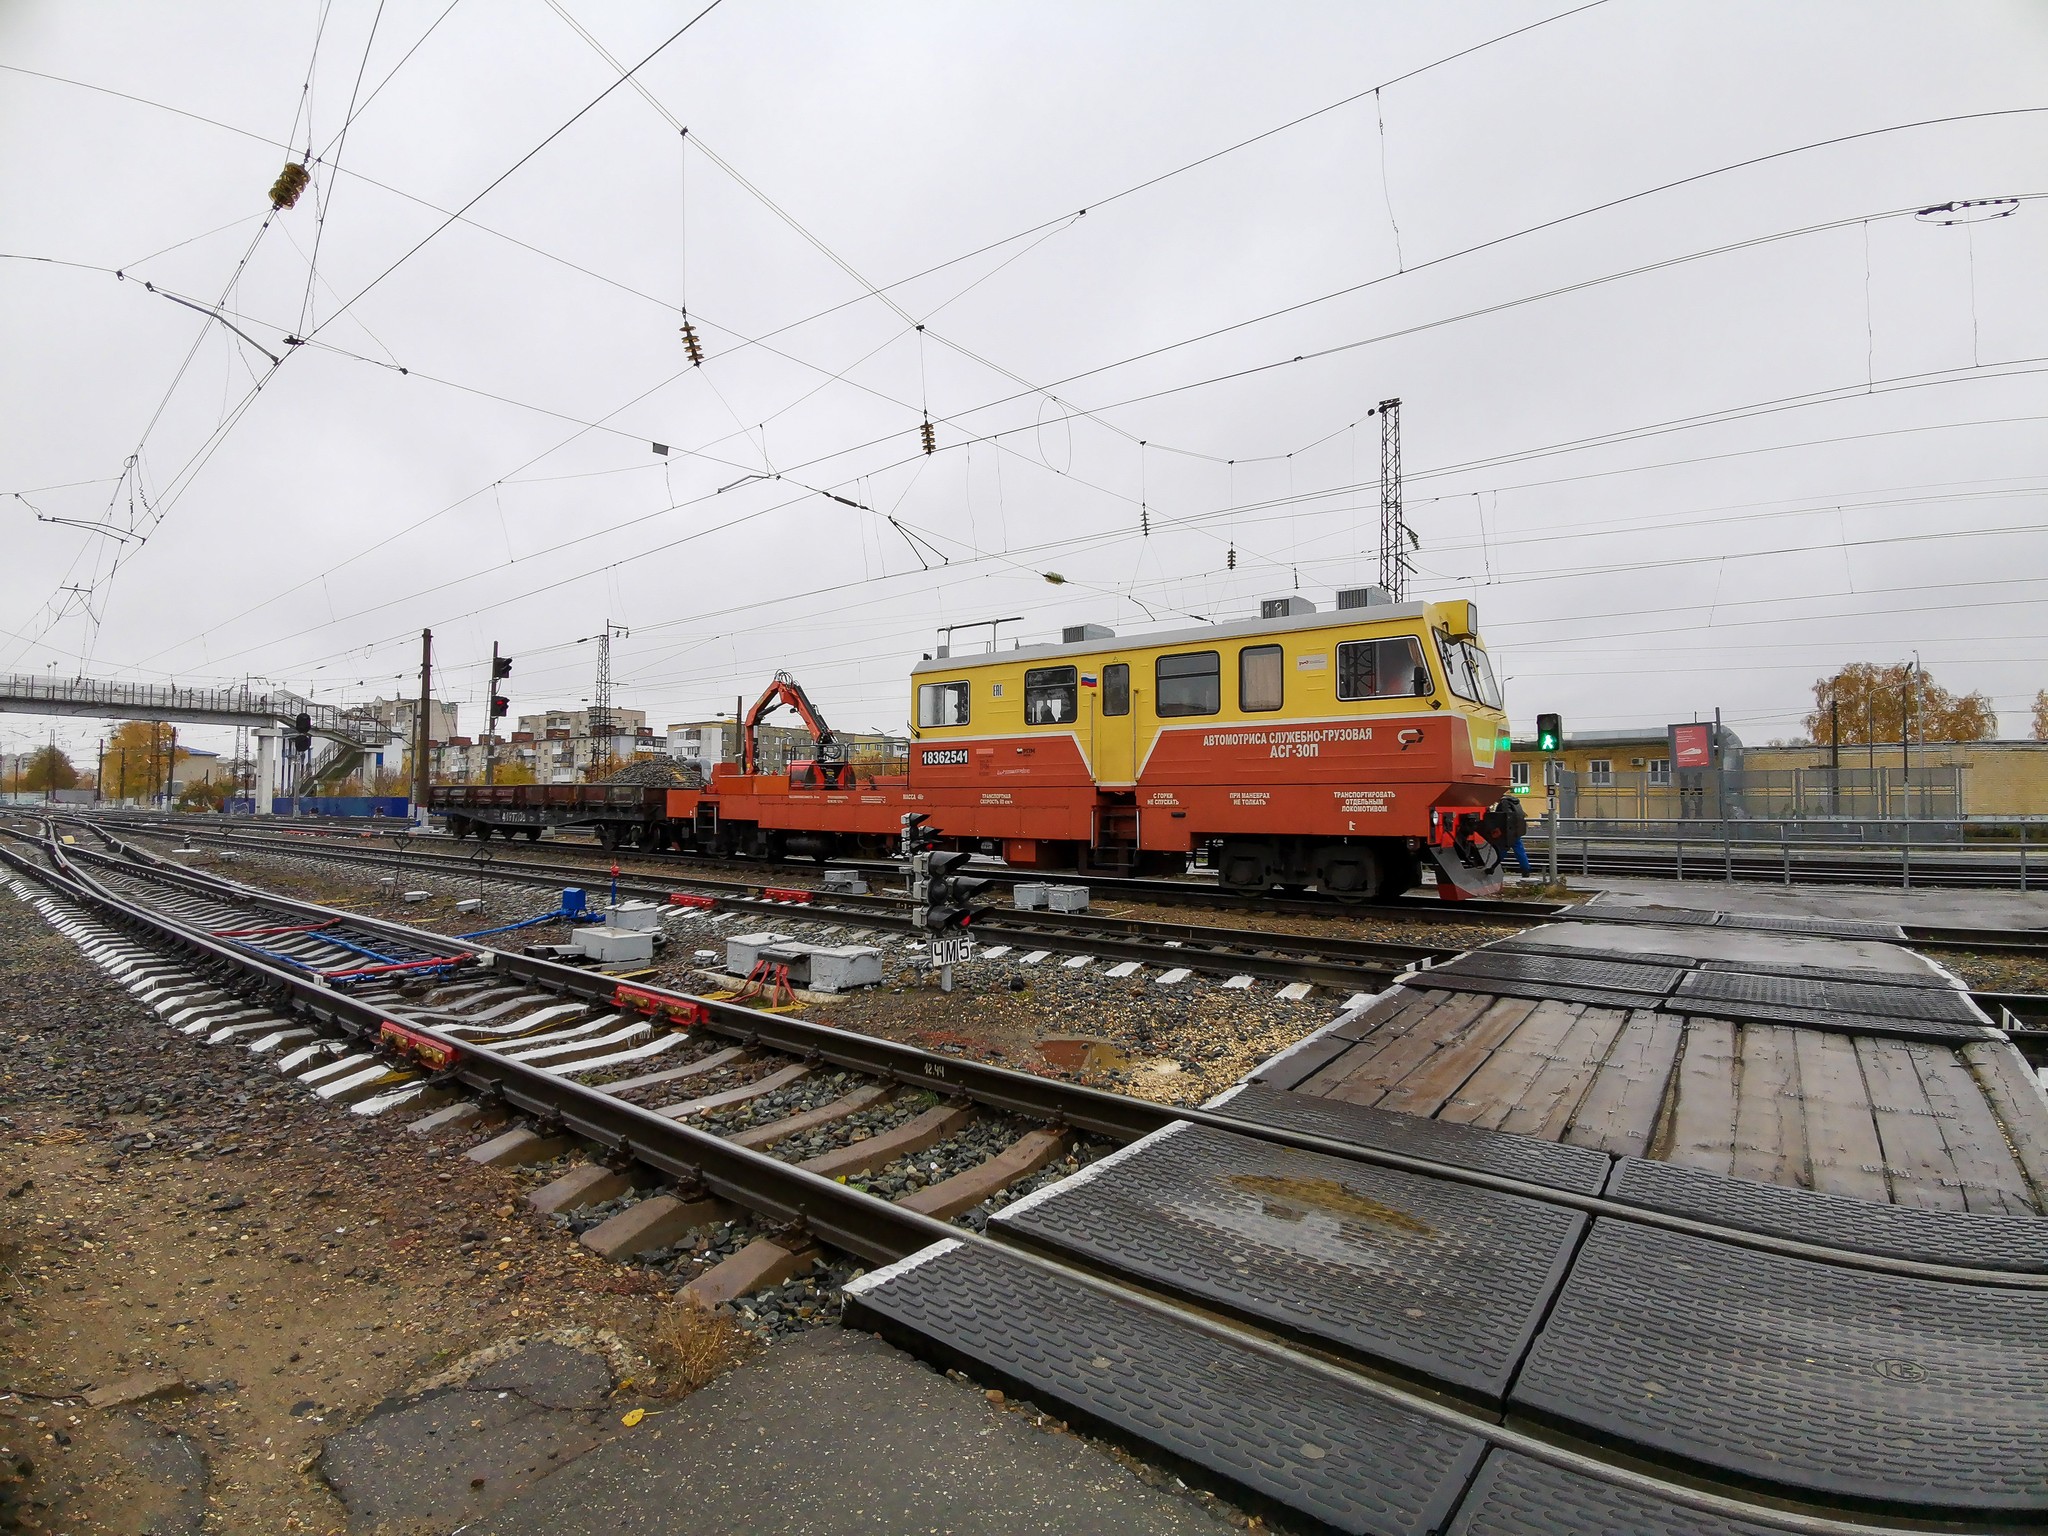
column 1116, row 688
column 1471, row 674
column 1382, row 669
column 1189, row 684
column 942, row 703
column 1261, row 679
column 1050, row 695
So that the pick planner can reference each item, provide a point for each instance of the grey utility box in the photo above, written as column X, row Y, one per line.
column 1066, row 898
column 845, row 882
column 842, row 967
column 633, row 916
column 743, row 949
column 616, row 946
column 1028, row 895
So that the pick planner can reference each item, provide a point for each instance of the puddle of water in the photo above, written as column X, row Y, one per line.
column 1327, row 1195
column 1083, row 1053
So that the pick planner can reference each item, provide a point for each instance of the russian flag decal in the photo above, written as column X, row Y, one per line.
column 1087, row 679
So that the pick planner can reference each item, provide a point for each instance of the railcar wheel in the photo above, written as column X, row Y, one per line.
column 1245, row 867
column 532, row 834
column 1350, row 874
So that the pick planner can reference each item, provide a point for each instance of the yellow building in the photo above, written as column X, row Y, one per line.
column 1998, row 778
column 1627, row 776
column 1628, row 771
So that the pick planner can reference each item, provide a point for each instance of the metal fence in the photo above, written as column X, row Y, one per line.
column 1848, row 794
column 1991, row 854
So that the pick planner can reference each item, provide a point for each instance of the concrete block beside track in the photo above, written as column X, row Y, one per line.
column 586, row 1184
column 517, row 1148
column 652, row 1223
column 913, row 1135
column 970, row 1186
column 764, row 1262
column 468, row 1113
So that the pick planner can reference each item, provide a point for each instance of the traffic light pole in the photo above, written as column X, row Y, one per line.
column 422, row 773
column 491, row 724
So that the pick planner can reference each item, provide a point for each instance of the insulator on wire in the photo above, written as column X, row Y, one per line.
column 1230, row 560
column 291, row 181
column 691, row 344
column 1145, row 521
column 930, row 437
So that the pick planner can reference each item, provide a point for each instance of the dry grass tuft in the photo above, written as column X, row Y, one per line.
column 692, row 1346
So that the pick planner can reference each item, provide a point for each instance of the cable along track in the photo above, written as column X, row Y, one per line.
column 1342, row 1433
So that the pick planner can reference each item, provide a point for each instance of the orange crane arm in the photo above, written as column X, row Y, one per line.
column 784, row 690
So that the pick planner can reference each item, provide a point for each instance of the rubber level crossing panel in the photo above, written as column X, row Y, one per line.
column 1518, row 1496
column 1281, row 1433
column 1441, row 1281
column 1967, row 1239
column 1439, row 1141
column 1877, row 1390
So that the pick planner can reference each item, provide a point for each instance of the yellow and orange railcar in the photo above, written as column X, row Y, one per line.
column 1331, row 750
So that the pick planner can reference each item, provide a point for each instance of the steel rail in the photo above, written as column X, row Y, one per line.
column 881, row 1232
column 1336, row 961
column 1124, row 1118
column 2024, row 1006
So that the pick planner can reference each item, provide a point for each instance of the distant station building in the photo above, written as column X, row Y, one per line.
column 1631, row 776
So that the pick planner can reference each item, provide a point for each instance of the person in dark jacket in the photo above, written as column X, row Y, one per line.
column 1508, row 822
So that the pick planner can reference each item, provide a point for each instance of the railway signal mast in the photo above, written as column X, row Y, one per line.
column 945, row 900
column 501, row 668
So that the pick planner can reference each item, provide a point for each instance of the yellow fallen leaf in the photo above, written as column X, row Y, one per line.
column 634, row 1417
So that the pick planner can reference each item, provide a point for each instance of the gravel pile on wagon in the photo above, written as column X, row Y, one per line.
column 658, row 773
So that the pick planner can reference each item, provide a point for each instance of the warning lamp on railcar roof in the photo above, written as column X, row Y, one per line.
column 1549, row 732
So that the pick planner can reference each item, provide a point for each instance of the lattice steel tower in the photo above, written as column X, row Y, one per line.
column 602, row 731
column 1395, row 536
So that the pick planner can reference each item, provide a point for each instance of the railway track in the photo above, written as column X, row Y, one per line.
column 1188, row 891
column 1334, row 961
column 1369, row 1435
column 1328, row 960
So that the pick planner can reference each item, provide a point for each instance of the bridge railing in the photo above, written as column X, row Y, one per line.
column 142, row 700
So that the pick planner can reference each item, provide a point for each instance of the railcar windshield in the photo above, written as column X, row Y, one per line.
column 1381, row 669
column 1471, row 674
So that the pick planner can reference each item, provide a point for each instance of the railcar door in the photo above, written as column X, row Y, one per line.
column 1113, row 718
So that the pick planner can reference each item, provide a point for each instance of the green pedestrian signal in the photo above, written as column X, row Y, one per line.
column 1549, row 733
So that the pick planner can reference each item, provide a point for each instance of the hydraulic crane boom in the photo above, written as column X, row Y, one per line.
column 787, row 691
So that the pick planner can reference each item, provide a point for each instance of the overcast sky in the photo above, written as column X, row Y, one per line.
column 1703, row 484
